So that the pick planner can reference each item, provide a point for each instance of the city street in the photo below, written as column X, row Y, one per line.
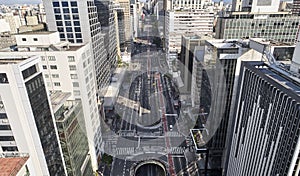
column 147, row 127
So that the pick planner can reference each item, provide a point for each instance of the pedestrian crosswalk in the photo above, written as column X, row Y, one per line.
column 124, row 151
column 176, row 150
column 173, row 134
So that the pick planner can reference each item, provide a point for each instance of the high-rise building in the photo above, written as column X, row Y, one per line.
column 126, row 12
column 178, row 23
column 188, row 44
column 67, row 67
column 255, row 5
column 107, row 20
column 69, row 120
column 296, row 7
column 277, row 26
column 119, row 15
column 77, row 22
column 265, row 133
column 27, row 122
column 214, row 82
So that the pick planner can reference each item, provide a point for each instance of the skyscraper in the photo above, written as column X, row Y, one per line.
column 265, row 133
column 126, row 12
column 77, row 22
column 27, row 124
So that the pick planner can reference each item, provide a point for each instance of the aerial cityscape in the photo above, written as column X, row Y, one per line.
column 149, row 88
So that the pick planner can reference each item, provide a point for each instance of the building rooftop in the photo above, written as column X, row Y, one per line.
column 58, row 99
column 36, row 33
column 279, row 76
column 270, row 42
column 11, row 165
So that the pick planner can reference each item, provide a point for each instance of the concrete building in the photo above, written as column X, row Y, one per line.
column 77, row 22
column 107, row 20
column 119, row 14
column 178, row 23
column 279, row 26
column 69, row 120
column 24, row 98
column 255, row 5
column 214, row 82
column 296, row 7
column 265, row 131
column 187, row 4
column 185, row 61
column 67, row 67
column 126, row 12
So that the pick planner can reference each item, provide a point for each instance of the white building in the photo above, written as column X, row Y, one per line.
column 77, row 22
column 256, row 5
column 27, row 122
column 178, row 23
column 68, row 68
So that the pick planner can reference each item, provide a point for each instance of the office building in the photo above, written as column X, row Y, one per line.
column 178, row 23
column 126, row 17
column 24, row 98
column 69, row 120
column 107, row 20
column 265, row 133
column 77, row 22
column 214, row 82
column 185, row 61
column 119, row 14
column 296, row 7
column 255, row 5
column 67, row 67
column 277, row 26
column 186, row 4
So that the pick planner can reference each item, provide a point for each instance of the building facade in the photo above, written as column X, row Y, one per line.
column 67, row 68
column 265, row 133
column 77, row 22
column 281, row 26
column 256, row 5
column 178, row 23
column 24, row 98
column 69, row 120
column 296, row 7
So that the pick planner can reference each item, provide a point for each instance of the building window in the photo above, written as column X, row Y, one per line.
column 76, row 93
column 55, row 75
column 9, row 149
column 53, row 67
column 66, row 10
column 43, row 58
column 64, row 3
column 55, row 4
column 78, row 35
column 3, row 78
column 60, row 29
column 58, row 17
column 77, row 29
column 75, row 17
column 24, row 39
column 79, row 40
column 7, row 138
column 68, row 23
column 59, row 23
column 73, row 3
column 69, row 29
column 75, row 84
column 67, row 17
column 76, row 23
column 44, row 67
column 72, row 67
column 57, row 84
column 69, row 35
column 56, row 10
column 51, row 58
column 74, row 10
column 35, row 39
column 62, row 35
column 74, row 76
column 46, row 76
column 5, row 127
column 71, row 59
